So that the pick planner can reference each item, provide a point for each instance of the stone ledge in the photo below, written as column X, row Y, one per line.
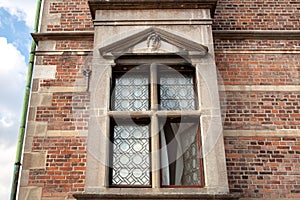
column 257, row 34
column 65, row 35
column 159, row 196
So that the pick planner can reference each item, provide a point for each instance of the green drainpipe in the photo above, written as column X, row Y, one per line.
column 21, row 135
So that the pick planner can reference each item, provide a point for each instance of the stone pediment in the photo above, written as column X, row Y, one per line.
column 153, row 41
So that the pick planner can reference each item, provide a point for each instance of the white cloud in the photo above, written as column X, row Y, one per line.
column 6, row 168
column 12, row 81
column 24, row 10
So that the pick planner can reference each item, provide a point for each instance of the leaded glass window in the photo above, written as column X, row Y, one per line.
column 130, row 155
column 177, row 91
column 130, row 92
column 136, row 90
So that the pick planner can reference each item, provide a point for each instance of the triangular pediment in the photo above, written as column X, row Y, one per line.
column 153, row 41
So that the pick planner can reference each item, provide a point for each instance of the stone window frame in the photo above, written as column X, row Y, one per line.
column 197, row 55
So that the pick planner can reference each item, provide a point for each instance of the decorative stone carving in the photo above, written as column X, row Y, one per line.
column 153, row 42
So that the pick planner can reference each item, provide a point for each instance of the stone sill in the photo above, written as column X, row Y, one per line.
column 157, row 196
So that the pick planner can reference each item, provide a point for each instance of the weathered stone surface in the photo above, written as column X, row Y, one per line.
column 45, row 71
column 34, row 160
column 158, row 196
column 30, row 193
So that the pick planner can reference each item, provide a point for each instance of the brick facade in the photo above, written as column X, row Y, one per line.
column 260, row 162
column 263, row 167
column 257, row 15
column 260, row 101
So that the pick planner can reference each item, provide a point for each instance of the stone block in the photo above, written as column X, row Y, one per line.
column 30, row 193
column 34, row 160
column 45, row 71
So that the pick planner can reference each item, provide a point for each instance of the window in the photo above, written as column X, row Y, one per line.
column 166, row 93
column 130, row 151
column 180, row 152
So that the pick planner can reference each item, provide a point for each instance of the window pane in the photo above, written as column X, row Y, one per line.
column 130, row 155
column 131, row 92
column 177, row 91
column 180, row 154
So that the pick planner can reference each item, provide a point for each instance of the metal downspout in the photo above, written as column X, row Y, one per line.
column 21, row 135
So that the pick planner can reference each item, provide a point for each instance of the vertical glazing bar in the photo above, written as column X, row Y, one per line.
column 154, row 84
column 155, row 152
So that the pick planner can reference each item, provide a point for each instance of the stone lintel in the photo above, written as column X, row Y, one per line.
column 150, row 4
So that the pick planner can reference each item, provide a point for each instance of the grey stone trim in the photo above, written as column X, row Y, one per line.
column 152, row 22
column 61, row 53
column 176, row 40
column 44, row 71
column 262, row 88
column 218, row 34
column 61, row 89
column 30, row 193
column 34, row 160
column 150, row 4
column 257, row 34
column 260, row 51
column 155, row 195
column 262, row 133
column 63, row 35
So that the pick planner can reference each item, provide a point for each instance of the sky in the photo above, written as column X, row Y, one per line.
column 16, row 24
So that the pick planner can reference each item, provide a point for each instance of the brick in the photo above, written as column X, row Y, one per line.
column 269, row 174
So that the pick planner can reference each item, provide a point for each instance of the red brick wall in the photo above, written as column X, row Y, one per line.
column 69, row 111
column 258, row 69
column 264, row 167
column 68, row 69
column 75, row 16
column 257, row 14
column 261, row 110
column 65, row 166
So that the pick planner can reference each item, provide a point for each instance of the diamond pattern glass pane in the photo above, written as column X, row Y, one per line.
column 131, row 160
column 191, row 165
column 131, row 92
column 177, row 92
column 180, row 155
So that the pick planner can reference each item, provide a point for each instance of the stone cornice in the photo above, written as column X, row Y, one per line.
column 63, row 35
column 257, row 34
column 226, row 35
column 150, row 4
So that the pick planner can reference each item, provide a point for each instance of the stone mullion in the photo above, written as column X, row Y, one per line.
column 155, row 154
